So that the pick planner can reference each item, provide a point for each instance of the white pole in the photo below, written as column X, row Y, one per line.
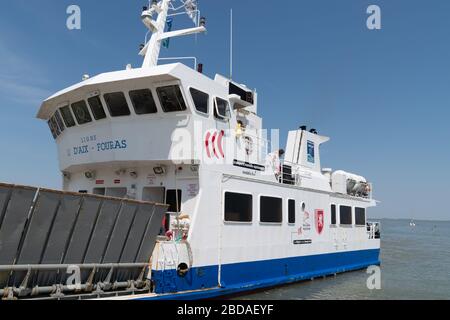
column 154, row 45
column 231, row 44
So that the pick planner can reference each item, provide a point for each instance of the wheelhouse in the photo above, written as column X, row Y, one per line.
column 129, row 94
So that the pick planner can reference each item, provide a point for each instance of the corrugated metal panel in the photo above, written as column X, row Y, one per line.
column 46, row 227
column 151, row 234
column 13, row 224
column 120, row 233
column 137, row 233
column 81, row 235
column 102, row 232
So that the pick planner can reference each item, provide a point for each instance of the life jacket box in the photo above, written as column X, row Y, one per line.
column 348, row 183
column 339, row 182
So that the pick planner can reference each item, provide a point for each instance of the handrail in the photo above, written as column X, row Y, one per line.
column 47, row 267
column 180, row 58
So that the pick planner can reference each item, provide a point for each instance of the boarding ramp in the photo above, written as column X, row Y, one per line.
column 60, row 245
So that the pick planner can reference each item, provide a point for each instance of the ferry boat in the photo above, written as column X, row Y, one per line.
column 241, row 216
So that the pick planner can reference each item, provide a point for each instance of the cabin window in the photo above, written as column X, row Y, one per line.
column 116, row 192
column 117, row 104
column 99, row 191
column 154, row 194
column 59, row 121
column 333, row 215
column 173, row 199
column 291, row 211
column 171, row 99
column 271, row 209
column 345, row 214
column 311, row 152
column 201, row 100
column 67, row 116
column 221, row 111
column 360, row 216
column 81, row 112
column 238, row 207
column 97, row 108
column 143, row 101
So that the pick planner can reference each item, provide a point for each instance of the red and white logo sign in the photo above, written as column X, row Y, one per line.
column 214, row 144
column 320, row 221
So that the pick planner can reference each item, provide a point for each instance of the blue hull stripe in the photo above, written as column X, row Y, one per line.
column 201, row 283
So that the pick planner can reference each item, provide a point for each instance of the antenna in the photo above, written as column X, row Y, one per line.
column 231, row 44
column 151, row 49
column 191, row 7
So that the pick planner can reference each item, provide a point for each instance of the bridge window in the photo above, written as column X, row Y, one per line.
column 67, row 116
column 345, row 214
column 143, row 101
column 81, row 112
column 238, row 207
column 59, row 121
column 117, row 104
column 171, row 99
column 333, row 215
column 201, row 100
column 52, row 130
column 97, row 108
column 173, row 199
column 52, row 127
column 221, row 111
column 271, row 210
column 291, row 213
column 360, row 216
column 55, row 125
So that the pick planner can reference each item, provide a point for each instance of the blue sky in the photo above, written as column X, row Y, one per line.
column 382, row 96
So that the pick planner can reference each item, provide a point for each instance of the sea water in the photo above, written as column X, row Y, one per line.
column 415, row 265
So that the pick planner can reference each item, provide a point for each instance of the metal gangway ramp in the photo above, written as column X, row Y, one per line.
column 62, row 245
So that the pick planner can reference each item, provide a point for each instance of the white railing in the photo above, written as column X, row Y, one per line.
column 181, row 58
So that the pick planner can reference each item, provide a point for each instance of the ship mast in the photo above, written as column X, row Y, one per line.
column 152, row 48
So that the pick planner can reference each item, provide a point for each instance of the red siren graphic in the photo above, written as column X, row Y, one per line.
column 214, row 144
